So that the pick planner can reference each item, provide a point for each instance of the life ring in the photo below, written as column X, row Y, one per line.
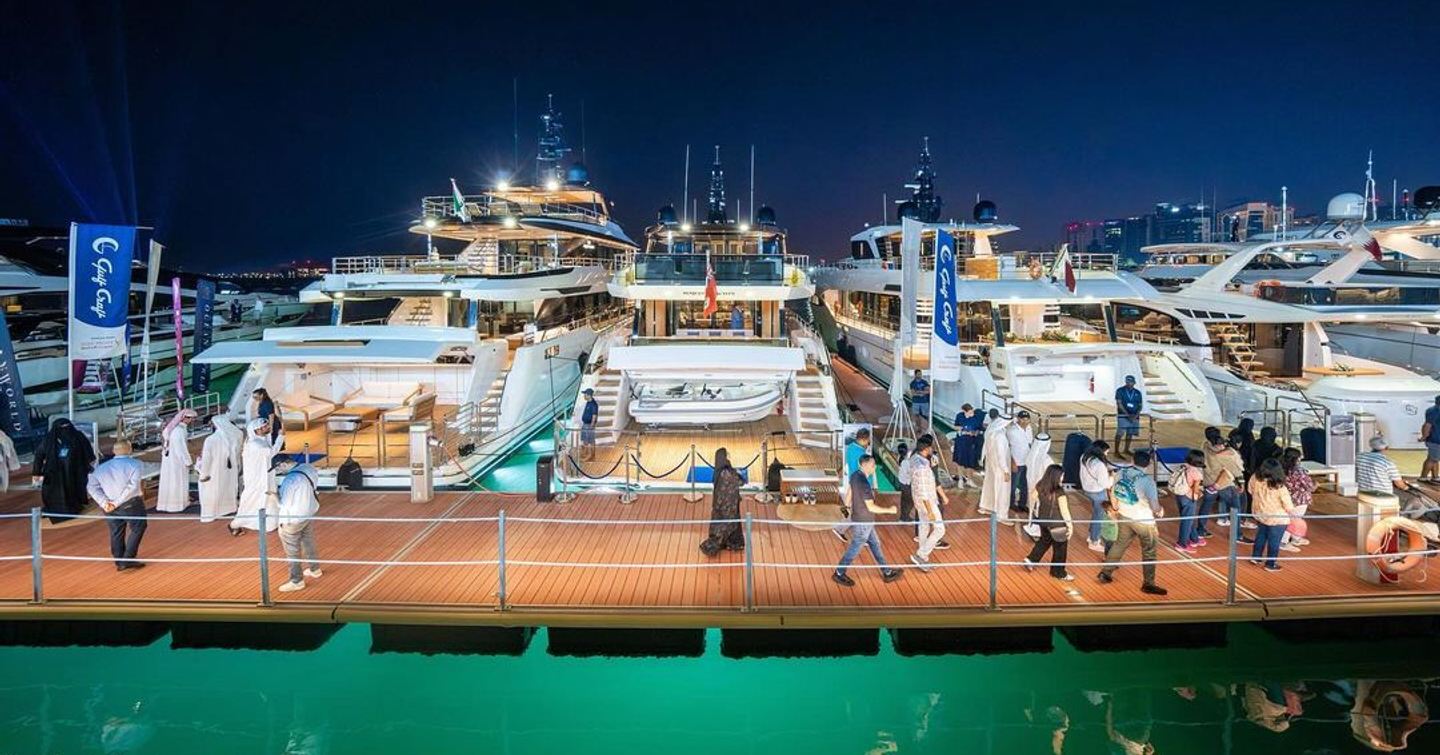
column 1385, row 714
column 1382, row 543
column 1259, row 289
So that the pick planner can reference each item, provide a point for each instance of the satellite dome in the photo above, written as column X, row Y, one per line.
column 765, row 215
column 985, row 211
column 907, row 210
column 666, row 215
column 1427, row 197
column 1347, row 206
column 577, row 175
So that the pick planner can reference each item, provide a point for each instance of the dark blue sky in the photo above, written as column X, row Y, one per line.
column 249, row 133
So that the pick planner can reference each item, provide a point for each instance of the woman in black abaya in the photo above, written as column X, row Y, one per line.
column 64, row 460
column 725, row 529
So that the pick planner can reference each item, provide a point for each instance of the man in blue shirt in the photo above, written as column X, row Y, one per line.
column 920, row 395
column 737, row 317
column 855, row 450
column 1430, row 433
column 588, row 416
column 1128, row 403
column 863, row 508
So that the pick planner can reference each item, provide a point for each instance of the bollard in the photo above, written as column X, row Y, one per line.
column 694, row 495
column 994, row 558
column 749, row 564
column 503, row 591
column 37, row 586
column 1234, row 546
column 264, row 560
column 627, row 493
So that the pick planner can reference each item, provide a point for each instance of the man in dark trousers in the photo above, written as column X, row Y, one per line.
column 588, row 416
column 863, row 508
column 115, row 486
column 1128, row 403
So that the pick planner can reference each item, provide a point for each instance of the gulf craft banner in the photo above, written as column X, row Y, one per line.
column 100, row 258
column 945, row 333
column 14, row 414
column 204, row 333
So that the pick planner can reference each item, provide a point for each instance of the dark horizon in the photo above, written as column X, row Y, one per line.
column 256, row 134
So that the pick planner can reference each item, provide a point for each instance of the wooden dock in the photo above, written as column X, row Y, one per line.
column 440, row 563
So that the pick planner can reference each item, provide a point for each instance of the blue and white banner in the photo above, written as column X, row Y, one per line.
column 100, row 257
column 204, row 334
column 14, row 414
column 945, row 334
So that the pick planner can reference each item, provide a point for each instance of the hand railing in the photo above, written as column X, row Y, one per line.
column 767, row 552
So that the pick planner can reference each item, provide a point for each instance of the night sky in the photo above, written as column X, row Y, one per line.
column 251, row 133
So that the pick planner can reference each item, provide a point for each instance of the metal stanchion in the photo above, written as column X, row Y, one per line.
column 694, row 495
column 264, row 560
column 37, row 561
column 501, row 546
column 994, row 558
column 627, row 493
column 1234, row 546
column 749, row 563
column 764, row 495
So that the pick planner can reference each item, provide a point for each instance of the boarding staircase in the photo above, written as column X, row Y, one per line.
column 815, row 422
column 1160, row 400
column 487, row 418
column 607, row 387
column 1238, row 350
column 419, row 312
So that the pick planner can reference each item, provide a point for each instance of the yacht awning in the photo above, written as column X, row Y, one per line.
column 367, row 351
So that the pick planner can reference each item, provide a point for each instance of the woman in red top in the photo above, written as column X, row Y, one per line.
column 1302, row 492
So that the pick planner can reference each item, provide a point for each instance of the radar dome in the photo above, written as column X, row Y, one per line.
column 1427, row 197
column 985, row 211
column 1347, row 206
column 765, row 215
column 577, row 175
column 666, row 215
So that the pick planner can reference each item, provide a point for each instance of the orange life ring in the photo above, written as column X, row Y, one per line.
column 1382, row 543
column 1386, row 714
column 1259, row 288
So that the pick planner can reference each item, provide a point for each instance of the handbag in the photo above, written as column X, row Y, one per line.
column 1059, row 533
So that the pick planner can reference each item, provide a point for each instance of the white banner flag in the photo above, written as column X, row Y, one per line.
column 909, row 278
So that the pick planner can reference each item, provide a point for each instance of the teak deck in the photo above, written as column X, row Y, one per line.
column 548, row 581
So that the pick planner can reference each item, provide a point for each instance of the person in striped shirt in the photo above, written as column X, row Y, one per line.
column 1375, row 472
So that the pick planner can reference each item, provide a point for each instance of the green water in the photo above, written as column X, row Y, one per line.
column 343, row 699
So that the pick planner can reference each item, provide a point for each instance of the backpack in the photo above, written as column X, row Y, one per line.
column 1179, row 483
column 1124, row 492
column 350, row 476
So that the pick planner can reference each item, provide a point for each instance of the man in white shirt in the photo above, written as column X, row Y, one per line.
column 927, row 501
column 115, row 487
column 1019, row 435
column 298, row 503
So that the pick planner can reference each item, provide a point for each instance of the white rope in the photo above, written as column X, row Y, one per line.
column 567, row 564
column 216, row 560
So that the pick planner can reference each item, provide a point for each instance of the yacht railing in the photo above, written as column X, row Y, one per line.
column 143, row 423
column 490, row 206
column 691, row 268
column 1019, row 270
column 1140, row 336
column 461, row 264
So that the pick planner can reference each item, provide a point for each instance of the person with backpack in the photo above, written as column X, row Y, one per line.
column 298, row 504
column 1273, row 511
column 1095, row 483
column 1224, row 470
column 1053, row 515
column 1187, row 484
column 1136, row 503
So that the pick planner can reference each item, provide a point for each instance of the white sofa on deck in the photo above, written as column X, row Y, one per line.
column 299, row 407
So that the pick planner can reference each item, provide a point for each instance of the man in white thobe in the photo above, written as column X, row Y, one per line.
column 995, row 460
column 259, row 492
column 175, row 461
column 219, row 472
column 1036, row 462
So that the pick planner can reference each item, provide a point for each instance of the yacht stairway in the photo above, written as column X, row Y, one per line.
column 815, row 427
column 1239, row 351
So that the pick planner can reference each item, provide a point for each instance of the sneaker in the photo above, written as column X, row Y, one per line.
column 314, row 573
column 843, row 579
column 1200, row 543
column 1222, row 522
column 1256, row 561
column 942, row 546
column 1066, row 577
column 1097, row 545
column 844, row 538
column 1246, row 540
column 1290, row 547
column 920, row 563
column 1105, row 577
column 292, row 587
column 1154, row 590
column 1300, row 540
column 1190, row 549
column 1249, row 524
column 891, row 575
column 1204, row 535
column 1273, row 567
column 1028, row 565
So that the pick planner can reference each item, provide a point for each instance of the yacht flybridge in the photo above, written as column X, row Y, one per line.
column 709, row 355
column 1027, row 339
column 485, row 345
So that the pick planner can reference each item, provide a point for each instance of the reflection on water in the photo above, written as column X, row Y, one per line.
column 1255, row 695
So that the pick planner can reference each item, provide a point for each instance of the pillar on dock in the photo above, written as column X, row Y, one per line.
column 250, row 635
column 1007, row 640
column 66, row 632
column 1112, row 637
column 448, row 639
column 630, row 643
column 798, row 643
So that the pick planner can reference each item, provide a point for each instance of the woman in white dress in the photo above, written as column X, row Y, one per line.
column 259, row 481
column 175, row 461
column 219, row 470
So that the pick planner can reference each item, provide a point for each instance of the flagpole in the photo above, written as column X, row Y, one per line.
column 70, row 335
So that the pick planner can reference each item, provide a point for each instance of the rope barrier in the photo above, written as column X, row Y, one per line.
column 576, row 464
column 647, row 472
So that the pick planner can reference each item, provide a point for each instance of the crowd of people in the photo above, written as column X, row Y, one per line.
column 236, row 473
